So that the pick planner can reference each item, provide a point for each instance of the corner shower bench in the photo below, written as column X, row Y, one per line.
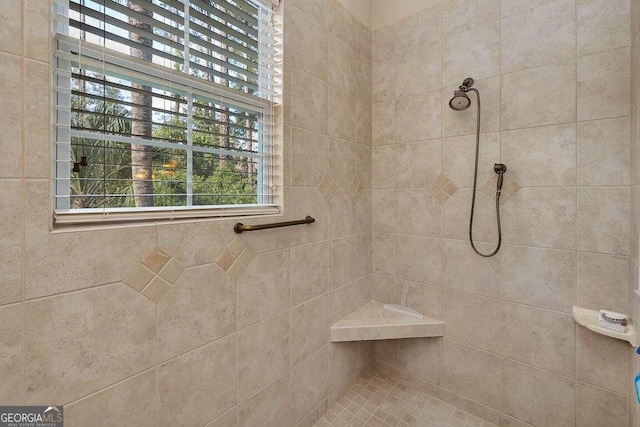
column 374, row 322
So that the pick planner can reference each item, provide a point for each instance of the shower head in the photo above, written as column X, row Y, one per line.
column 460, row 101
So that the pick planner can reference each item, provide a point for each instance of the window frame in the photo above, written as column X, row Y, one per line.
column 268, row 203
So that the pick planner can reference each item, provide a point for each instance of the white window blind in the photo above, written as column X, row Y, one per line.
column 163, row 109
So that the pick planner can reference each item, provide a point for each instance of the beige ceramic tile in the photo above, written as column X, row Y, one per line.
column 383, row 167
column 471, row 320
column 602, row 25
column 382, row 289
column 510, row 7
column 309, row 101
column 342, row 118
column 270, row 407
column 364, row 245
column 263, row 289
column 342, row 25
column 471, row 373
column 383, row 116
column 464, row 270
column 263, row 354
column 199, row 308
column 342, row 215
column 603, row 152
column 342, row 161
column 11, row 149
column 413, row 34
column 196, row 243
column 417, row 69
column 456, row 212
column 342, row 363
column 537, row 396
column 542, row 96
column 37, row 123
column 554, row 346
column 309, row 44
column 342, row 302
column 595, row 406
column 604, row 220
column 309, row 271
column 597, row 367
column 10, row 18
column 156, row 289
column 309, row 328
column 36, row 29
column 383, row 208
column 10, row 241
column 113, row 320
column 228, row 419
column 480, row 57
column 419, row 259
column 425, row 105
column 427, row 300
column 383, row 81
column 539, row 36
column 139, row 277
column 417, row 163
column 603, row 282
column 309, row 201
column 364, row 78
column 603, row 85
column 342, row 65
column 458, row 160
column 156, row 260
column 172, row 271
column 131, row 402
column 421, row 357
column 309, row 384
column 383, row 253
column 309, row 157
column 543, row 217
column 417, row 212
column 542, row 156
column 195, row 388
column 363, row 123
column 12, row 368
column 540, row 277
column 470, row 14
column 342, row 261
column 317, row 9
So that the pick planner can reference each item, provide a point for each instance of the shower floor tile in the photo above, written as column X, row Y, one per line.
column 379, row 401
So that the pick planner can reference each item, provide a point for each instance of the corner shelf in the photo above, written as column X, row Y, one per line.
column 374, row 322
column 589, row 319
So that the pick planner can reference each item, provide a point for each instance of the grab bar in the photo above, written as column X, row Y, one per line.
column 240, row 227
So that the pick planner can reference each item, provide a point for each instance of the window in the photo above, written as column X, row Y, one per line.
column 163, row 109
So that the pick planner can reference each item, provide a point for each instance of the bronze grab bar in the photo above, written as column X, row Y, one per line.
column 240, row 227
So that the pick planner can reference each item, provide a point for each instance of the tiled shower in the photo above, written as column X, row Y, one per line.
column 185, row 323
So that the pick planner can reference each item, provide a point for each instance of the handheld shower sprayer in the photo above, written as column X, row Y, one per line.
column 460, row 102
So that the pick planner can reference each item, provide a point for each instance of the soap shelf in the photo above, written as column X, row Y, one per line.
column 374, row 322
column 589, row 319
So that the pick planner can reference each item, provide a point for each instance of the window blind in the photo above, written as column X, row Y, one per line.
column 163, row 109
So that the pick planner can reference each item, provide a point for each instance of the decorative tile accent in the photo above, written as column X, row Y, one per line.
column 155, row 274
column 236, row 258
column 509, row 188
column 378, row 400
column 355, row 189
column 327, row 187
column 442, row 188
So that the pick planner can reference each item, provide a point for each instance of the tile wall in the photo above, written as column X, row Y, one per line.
column 554, row 79
column 183, row 323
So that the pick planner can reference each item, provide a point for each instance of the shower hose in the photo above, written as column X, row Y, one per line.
column 475, row 186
